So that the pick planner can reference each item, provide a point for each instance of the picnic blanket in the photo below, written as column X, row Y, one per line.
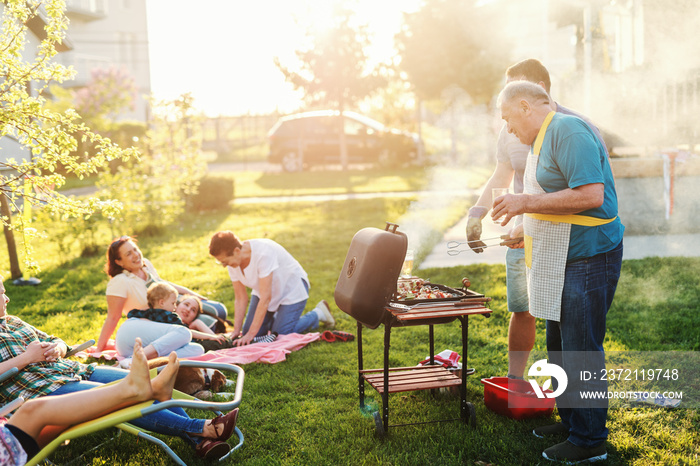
column 109, row 353
column 269, row 353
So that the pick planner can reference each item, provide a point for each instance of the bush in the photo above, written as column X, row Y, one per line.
column 214, row 193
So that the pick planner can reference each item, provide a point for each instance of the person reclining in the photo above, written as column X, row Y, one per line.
column 20, row 436
column 43, row 371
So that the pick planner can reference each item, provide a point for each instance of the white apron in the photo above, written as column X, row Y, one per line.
column 547, row 242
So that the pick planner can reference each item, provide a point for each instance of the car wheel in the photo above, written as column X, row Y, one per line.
column 412, row 158
column 291, row 162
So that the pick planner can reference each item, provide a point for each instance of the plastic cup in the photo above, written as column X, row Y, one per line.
column 495, row 193
column 407, row 268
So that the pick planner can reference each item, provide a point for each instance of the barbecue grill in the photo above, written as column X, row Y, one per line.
column 366, row 290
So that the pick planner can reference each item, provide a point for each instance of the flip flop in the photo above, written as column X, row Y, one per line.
column 336, row 335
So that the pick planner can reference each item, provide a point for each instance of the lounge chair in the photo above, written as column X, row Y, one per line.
column 121, row 418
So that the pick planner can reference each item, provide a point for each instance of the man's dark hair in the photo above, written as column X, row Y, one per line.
column 223, row 241
column 533, row 70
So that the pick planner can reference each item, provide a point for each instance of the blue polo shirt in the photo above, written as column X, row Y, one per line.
column 572, row 156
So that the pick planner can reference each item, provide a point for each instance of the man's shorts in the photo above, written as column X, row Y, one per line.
column 516, row 281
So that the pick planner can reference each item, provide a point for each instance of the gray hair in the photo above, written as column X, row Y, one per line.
column 526, row 90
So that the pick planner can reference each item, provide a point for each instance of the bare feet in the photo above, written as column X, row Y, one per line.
column 165, row 380
column 137, row 384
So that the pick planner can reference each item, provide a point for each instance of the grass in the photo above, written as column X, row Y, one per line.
column 353, row 181
column 260, row 184
column 305, row 410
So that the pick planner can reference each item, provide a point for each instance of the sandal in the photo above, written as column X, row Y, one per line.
column 336, row 335
column 228, row 422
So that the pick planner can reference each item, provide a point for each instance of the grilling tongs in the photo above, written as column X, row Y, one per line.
column 506, row 241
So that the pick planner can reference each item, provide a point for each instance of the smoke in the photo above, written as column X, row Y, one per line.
column 645, row 74
column 424, row 220
column 462, row 139
column 652, row 104
column 643, row 92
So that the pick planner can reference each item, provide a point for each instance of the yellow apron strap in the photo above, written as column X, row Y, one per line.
column 528, row 251
column 582, row 220
column 536, row 152
column 540, row 136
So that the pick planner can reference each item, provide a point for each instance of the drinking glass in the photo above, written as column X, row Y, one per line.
column 495, row 193
column 407, row 268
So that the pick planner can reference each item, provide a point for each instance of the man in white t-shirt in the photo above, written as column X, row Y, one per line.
column 280, row 288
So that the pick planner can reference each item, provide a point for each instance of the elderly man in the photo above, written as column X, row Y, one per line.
column 511, row 156
column 573, row 251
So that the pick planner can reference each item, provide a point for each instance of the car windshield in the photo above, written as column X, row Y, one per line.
column 375, row 125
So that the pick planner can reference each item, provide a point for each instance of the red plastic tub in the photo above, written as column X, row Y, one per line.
column 515, row 398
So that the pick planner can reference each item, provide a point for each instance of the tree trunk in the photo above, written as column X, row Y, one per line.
column 453, row 133
column 419, row 118
column 343, row 143
column 15, row 271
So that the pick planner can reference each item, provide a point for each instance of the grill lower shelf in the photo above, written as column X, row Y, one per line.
column 404, row 379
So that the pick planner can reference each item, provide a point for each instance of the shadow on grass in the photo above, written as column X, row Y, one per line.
column 306, row 410
column 342, row 181
column 317, row 234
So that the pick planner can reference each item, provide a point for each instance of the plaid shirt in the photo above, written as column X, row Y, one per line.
column 39, row 378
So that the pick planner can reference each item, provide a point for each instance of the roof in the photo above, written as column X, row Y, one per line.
column 328, row 113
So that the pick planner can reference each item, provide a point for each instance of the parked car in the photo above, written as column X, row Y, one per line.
column 313, row 138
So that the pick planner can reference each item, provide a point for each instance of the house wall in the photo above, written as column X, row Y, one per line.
column 115, row 34
column 657, row 198
column 9, row 147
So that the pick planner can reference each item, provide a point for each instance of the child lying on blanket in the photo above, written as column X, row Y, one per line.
column 160, row 328
column 189, row 309
column 19, row 437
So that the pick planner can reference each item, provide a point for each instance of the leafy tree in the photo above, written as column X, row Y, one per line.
column 453, row 43
column 42, row 138
column 334, row 69
column 394, row 103
column 153, row 189
column 108, row 93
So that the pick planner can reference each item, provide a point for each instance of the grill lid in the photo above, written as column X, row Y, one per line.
column 370, row 273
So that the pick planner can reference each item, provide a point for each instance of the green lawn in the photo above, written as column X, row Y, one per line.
column 259, row 184
column 262, row 184
column 305, row 410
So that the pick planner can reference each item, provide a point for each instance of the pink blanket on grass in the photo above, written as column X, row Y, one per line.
column 109, row 353
column 269, row 353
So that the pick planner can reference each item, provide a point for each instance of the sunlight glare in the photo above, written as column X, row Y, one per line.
column 222, row 52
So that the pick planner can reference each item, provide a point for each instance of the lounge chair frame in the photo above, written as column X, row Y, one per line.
column 121, row 418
